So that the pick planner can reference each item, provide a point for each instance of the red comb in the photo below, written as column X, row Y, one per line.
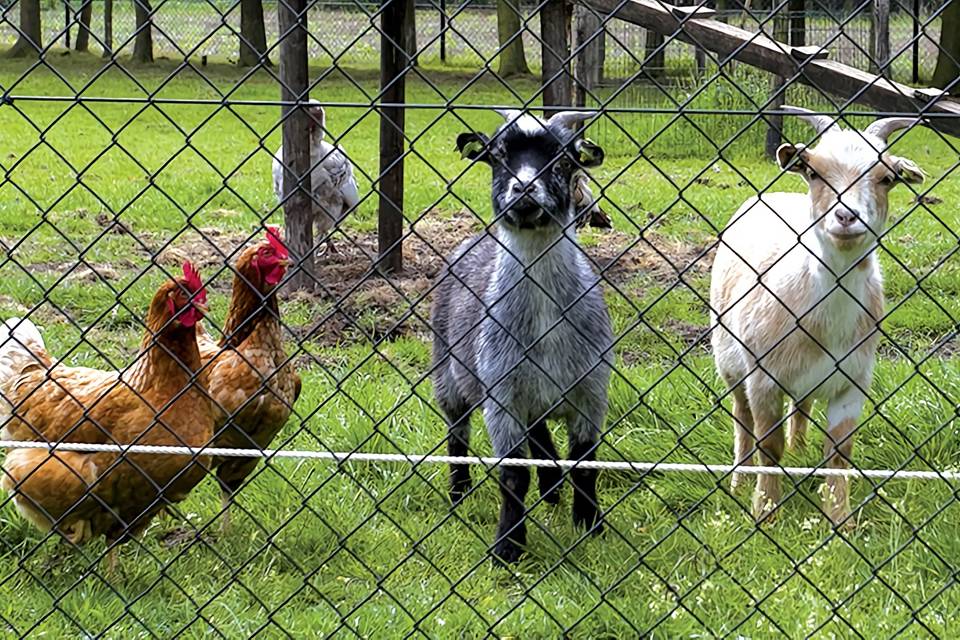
column 273, row 237
column 191, row 277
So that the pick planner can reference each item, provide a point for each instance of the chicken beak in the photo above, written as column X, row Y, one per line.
column 201, row 307
column 284, row 262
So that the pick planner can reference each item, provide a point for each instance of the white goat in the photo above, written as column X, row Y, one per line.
column 796, row 295
column 333, row 187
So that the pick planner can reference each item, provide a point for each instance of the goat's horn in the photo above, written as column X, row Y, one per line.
column 569, row 119
column 883, row 127
column 509, row 114
column 822, row 124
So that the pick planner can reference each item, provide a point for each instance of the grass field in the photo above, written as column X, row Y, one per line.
column 374, row 550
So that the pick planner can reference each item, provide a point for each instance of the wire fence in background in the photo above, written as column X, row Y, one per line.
column 305, row 471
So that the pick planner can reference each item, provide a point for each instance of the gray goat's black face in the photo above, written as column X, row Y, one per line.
column 534, row 164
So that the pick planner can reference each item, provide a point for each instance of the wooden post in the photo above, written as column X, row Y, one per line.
column 393, row 66
column 555, row 19
column 798, row 22
column 778, row 90
column 443, row 30
column 107, row 28
column 297, row 200
column 591, row 56
column 916, row 42
column 66, row 24
column 880, row 45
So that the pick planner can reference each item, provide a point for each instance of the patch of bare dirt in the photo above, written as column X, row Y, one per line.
column 368, row 305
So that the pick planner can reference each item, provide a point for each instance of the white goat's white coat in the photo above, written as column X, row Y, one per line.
column 796, row 295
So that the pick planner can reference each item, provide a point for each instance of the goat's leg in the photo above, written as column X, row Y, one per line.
column 584, row 435
column 509, row 441
column 458, row 444
column 767, row 409
column 797, row 425
column 842, row 415
column 743, row 438
column 549, row 479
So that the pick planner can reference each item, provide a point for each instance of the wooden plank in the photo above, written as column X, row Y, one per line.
column 731, row 42
column 297, row 201
column 393, row 66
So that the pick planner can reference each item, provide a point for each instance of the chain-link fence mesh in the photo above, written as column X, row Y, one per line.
column 325, row 381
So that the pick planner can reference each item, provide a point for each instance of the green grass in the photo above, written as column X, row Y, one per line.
column 374, row 549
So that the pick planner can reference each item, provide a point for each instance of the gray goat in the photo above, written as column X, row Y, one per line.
column 522, row 330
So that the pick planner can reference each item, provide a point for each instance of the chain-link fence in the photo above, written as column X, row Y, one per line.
column 215, row 428
column 208, row 29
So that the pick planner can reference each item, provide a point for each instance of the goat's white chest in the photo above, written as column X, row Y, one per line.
column 831, row 343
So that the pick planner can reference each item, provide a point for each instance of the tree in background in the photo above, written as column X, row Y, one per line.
column 512, row 59
column 107, row 28
column 143, row 45
column 28, row 42
column 83, row 30
column 948, row 60
column 253, row 34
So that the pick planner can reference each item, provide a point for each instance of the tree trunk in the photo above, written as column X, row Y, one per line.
column 512, row 59
column 556, row 18
column 948, row 60
column 83, row 31
column 107, row 28
column 253, row 34
column 28, row 42
column 591, row 57
column 143, row 45
column 880, row 37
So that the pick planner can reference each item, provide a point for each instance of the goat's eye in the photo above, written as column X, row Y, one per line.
column 563, row 165
column 812, row 175
column 888, row 179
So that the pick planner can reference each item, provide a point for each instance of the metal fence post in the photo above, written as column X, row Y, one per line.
column 294, row 83
column 393, row 66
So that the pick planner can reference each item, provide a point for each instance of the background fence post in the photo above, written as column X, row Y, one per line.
column 443, row 30
column 916, row 42
column 294, row 84
column 555, row 19
column 393, row 65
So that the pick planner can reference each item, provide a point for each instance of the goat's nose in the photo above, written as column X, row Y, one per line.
column 845, row 217
column 518, row 188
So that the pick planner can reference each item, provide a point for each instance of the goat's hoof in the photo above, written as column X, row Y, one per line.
column 765, row 511
column 506, row 552
column 591, row 520
column 457, row 494
column 737, row 480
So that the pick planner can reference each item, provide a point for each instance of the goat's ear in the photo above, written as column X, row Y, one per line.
column 790, row 157
column 473, row 146
column 589, row 154
column 907, row 171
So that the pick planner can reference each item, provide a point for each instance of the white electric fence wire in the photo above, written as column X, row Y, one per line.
column 338, row 456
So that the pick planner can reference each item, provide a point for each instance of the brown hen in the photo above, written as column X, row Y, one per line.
column 158, row 400
column 251, row 380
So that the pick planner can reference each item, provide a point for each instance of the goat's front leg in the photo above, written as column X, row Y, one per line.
column 843, row 412
column 584, row 434
column 767, row 409
column 743, row 438
column 509, row 441
column 549, row 479
column 458, row 444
